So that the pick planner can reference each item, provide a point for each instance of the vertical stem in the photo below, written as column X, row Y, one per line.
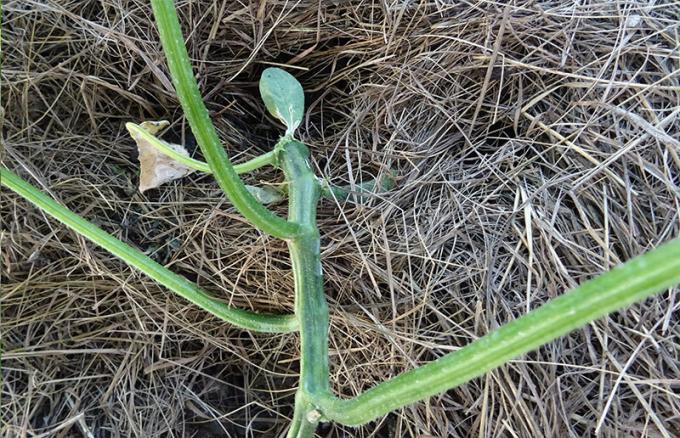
column 312, row 313
column 305, row 418
column 310, row 302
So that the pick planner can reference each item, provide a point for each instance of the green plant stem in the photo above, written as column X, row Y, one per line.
column 305, row 418
column 620, row 287
column 310, row 302
column 204, row 131
column 358, row 191
column 257, row 162
column 135, row 258
column 250, row 165
column 635, row 280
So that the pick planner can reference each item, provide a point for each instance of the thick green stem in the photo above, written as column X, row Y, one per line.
column 620, row 287
column 310, row 302
column 305, row 418
column 312, row 312
column 204, row 131
column 635, row 280
column 135, row 258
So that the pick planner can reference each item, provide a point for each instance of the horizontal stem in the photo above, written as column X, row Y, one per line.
column 136, row 259
column 256, row 163
column 197, row 115
column 137, row 131
column 358, row 191
column 633, row 281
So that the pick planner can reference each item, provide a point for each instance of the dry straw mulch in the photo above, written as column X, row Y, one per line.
column 536, row 144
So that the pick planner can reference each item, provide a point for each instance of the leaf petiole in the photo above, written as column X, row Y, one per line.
column 359, row 191
column 137, row 132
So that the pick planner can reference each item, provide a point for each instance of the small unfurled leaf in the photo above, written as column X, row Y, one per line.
column 155, row 167
column 265, row 195
column 283, row 96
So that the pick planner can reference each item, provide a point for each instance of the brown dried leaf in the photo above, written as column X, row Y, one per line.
column 157, row 168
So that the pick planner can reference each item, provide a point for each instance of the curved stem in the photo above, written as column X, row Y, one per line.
column 635, row 280
column 204, row 131
column 135, row 258
column 137, row 131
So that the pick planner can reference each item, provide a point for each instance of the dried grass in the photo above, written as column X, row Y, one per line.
column 536, row 144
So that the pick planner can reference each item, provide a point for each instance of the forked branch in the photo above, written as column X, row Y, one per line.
column 203, row 129
column 633, row 281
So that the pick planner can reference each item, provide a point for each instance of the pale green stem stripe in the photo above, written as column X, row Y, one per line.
column 136, row 259
column 250, row 165
column 633, row 281
column 196, row 113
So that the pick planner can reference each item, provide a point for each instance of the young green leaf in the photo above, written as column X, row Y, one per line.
column 283, row 96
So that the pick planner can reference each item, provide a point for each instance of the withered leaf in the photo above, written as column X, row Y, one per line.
column 156, row 168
